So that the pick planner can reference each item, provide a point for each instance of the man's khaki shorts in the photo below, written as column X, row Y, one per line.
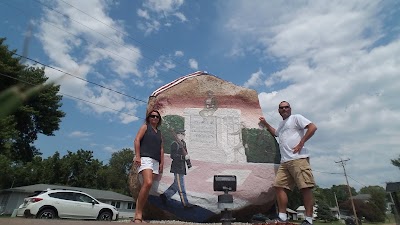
column 295, row 172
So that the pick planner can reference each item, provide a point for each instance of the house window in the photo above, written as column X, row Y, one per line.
column 118, row 205
column 113, row 203
column 131, row 205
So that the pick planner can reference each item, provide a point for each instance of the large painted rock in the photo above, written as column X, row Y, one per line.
column 216, row 124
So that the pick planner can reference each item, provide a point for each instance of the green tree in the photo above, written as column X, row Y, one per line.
column 27, row 173
column 324, row 212
column 7, row 135
column 342, row 192
column 80, row 169
column 396, row 162
column 52, row 171
column 38, row 114
column 6, row 171
column 367, row 210
column 378, row 197
column 118, row 171
column 295, row 198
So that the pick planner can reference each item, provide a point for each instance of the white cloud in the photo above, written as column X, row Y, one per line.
column 157, row 12
column 338, row 73
column 79, row 44
column 193, row 64
column 79, row 134
column 255, row 79
column 143, row 13
column 179, row 53
column 111, row 149
column 180, row 16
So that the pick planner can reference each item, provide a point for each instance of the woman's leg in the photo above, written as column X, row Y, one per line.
column 141, row 200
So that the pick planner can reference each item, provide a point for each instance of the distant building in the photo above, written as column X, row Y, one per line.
column 335, row 212
column 363, row 197
column 301, row 212
column 292, row 215
column 12, row 198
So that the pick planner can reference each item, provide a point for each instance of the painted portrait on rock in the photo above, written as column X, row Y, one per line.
column 211, row 127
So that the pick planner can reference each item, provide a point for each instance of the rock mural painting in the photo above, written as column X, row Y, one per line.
column 211, row 127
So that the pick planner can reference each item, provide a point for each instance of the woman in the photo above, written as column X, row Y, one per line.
column 149, row 157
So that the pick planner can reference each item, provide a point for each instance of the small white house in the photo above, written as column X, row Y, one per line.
column 12, row 198
column 292, row 215
column 301, row 212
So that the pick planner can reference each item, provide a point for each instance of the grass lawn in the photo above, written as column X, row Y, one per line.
column 388, row 220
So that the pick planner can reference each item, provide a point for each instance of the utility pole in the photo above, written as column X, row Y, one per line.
column 348, row 186
column 337, row 205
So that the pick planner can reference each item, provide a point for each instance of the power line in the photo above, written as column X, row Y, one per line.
column 49, row 7
column 121, row 32
column 325, row 172
column 80, row 99
column 54, row 25
column 356, row 181
column 80, row 78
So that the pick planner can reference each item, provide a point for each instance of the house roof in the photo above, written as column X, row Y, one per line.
column 290, row 210
column 362, row 197
column 99, row 194
column 301, row 208
column 334, row 209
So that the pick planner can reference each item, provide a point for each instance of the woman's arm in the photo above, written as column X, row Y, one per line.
column 136, row 144
column 162, row 157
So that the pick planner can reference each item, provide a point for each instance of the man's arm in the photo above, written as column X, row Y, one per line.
column 269, row 127
column 311, row 128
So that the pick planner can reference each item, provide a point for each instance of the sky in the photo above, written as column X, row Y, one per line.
column 336, row 62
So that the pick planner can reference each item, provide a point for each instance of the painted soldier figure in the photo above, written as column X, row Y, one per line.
column 180, row 159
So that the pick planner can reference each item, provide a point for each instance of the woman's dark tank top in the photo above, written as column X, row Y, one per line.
column 150, row 145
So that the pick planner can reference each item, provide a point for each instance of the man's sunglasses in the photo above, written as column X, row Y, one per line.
column 284, row 107
column 154, row 116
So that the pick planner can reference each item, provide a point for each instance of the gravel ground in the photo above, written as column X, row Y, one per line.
column 181, row 222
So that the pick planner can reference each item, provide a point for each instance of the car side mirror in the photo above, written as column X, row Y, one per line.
column 93, row 202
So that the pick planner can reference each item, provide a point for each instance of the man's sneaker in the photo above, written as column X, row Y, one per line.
column 280, row 221
column 305, row 222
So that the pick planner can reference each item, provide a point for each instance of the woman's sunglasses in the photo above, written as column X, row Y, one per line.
column 154, row 116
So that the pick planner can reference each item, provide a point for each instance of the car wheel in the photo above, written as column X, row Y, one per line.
column 47, row 214
column 105, row 215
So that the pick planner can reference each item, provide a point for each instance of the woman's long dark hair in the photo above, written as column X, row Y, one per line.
column 148, row 117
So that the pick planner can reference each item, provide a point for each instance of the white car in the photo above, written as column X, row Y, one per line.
column 51, row 204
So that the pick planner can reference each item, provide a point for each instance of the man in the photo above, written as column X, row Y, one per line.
column 295, row 167
column 180, row 158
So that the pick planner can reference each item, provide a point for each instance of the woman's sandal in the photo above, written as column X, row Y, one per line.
column 137, row 219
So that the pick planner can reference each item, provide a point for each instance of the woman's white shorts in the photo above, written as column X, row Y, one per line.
column 149, row 163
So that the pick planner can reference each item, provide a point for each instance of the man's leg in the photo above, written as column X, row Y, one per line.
column 305, row 182
column 283, row 181
column 282, row 199
column 308, row 200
